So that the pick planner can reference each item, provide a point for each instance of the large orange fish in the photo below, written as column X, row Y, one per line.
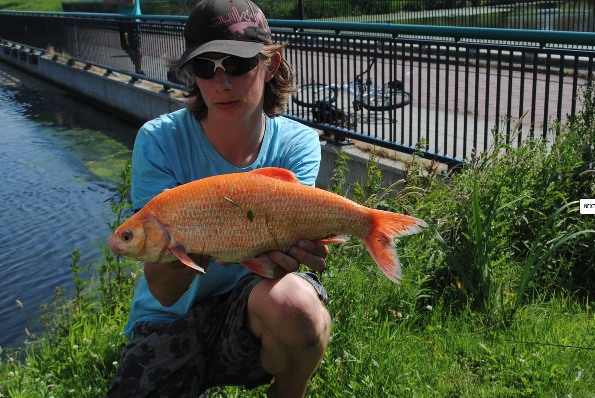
column 235, row 217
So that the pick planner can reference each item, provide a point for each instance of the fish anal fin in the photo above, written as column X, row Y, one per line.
column 277, row 173
column 180, row 253
column 260, row 266
column 333, row 239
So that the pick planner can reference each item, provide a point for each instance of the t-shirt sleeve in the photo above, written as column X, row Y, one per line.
column 151, row 170
column 304, row 155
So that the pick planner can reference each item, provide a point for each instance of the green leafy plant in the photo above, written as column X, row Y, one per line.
column 541, row 251
column 116, row 275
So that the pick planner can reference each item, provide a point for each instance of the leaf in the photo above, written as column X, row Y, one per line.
column 531, row 264
column 231, row 201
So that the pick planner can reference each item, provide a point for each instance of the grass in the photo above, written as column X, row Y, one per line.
column 495, row 301
column 436, row 354
column 31, row 5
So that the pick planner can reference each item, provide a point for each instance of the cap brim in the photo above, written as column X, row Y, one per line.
column 244, row 49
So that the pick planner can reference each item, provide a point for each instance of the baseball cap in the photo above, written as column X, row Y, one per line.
column 233, row 27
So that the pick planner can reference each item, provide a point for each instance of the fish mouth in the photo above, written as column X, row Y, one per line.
column 113, row 247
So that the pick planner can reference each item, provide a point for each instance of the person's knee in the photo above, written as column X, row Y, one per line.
column 302, row 318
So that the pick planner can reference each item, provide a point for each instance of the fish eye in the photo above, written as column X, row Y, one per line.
column 127, row 236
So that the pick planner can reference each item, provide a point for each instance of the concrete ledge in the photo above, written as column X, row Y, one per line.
column 392, row 170
column 142, row 101
column 138, row 101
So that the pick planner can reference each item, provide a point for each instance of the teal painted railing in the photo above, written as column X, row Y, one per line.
column 454, row 84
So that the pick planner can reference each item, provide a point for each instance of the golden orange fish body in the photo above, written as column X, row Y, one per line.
column 236, row 217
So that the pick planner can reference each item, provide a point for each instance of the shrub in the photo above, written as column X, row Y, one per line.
column 499, row 217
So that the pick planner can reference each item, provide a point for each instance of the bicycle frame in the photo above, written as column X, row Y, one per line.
column 368, row 96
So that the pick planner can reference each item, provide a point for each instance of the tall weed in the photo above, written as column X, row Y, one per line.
column 507, row 222
column 502, row 226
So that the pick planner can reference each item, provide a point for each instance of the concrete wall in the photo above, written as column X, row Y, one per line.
column 142, row 101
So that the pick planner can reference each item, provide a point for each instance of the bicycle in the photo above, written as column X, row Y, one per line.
column 368, row 96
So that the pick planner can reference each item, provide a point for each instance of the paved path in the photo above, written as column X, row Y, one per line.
column 454, row 107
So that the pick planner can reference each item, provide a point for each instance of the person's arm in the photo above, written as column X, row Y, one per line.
column 151, row 174
column 168, row 282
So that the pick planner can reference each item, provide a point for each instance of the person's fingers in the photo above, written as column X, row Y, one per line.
column 310, row 254
column 282, row 260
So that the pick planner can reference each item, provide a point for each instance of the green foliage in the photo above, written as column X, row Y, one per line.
column 380, row 347
column 366, row 192
column 31, row 5
column 495, row 300
column 535, row 260
column 504, row 227
column 117, row 281
column 339, row 178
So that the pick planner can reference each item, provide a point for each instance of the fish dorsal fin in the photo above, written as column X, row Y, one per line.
column 276, row 172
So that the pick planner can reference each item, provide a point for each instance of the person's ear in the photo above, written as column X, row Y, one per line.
column 273, row 66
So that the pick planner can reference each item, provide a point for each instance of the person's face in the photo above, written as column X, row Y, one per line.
column 233, row 99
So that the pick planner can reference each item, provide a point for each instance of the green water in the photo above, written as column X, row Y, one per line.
column 60, row 160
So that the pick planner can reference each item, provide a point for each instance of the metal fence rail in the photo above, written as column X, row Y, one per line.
column 462, row 81
column 565, row 15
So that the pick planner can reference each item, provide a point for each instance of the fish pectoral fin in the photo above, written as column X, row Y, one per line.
column 276, row 172
column 180, row 253
column 333, row 239
column 261, row 265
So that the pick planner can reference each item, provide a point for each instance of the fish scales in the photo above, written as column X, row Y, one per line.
column 236, row 217
column 280, row 214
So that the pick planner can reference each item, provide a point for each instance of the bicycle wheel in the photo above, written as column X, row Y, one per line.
column 310, row 94
column 378, row 100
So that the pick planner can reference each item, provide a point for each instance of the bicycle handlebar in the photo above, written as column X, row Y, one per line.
column 372, row 62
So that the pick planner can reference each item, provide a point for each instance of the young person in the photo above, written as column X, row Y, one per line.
column 229, row 326
column 130, row 31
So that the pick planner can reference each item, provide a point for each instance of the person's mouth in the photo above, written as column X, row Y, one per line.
column 226, row 104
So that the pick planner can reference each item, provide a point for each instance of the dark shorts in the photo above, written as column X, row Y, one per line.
column 130, row 36
column 209, row 346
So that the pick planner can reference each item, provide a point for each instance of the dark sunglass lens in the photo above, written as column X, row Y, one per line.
column 203, row 68
column 236, row 66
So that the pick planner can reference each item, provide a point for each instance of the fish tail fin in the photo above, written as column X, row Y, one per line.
column 380, row 243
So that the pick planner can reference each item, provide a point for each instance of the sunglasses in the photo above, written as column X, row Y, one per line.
column 205, row 68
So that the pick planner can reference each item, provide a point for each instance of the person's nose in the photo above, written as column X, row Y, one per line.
column 221, row 80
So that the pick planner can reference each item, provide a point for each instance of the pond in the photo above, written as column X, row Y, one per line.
column 60, row 162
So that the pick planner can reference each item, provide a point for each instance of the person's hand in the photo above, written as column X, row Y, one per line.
column 305, row 252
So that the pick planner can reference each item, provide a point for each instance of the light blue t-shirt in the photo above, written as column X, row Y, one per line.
column 173, row 150
column 134, row 10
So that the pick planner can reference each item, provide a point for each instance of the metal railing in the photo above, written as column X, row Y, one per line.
column 462, row 82
column 565, row 15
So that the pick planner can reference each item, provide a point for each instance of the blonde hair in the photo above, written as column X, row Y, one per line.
column 276, row 91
